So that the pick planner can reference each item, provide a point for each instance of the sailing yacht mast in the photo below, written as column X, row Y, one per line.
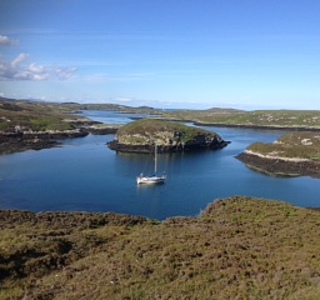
column 153, row 179
column 155, row 159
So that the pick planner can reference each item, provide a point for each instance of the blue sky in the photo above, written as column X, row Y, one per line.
column 247, row 54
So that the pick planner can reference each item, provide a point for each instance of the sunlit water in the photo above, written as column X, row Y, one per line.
column 84, row 175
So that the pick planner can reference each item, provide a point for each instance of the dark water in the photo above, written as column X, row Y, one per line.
column 84, row 175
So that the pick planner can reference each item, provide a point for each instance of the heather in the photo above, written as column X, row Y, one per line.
column 238, row 248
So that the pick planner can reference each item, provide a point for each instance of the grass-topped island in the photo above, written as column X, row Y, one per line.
column 294, row 154
column 141, row 136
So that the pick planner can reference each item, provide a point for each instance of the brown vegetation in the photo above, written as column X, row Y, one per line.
column 239, row 248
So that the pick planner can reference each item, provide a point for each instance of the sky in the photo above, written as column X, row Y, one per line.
column 197, row 54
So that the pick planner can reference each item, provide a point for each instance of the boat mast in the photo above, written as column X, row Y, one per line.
column 155, row 159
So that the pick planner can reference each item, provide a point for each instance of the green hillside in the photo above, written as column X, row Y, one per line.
column 25, row 116
column 239, row 248
column 308, row 119
column 299, row 145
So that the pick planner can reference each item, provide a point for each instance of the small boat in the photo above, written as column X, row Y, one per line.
column 154, row 178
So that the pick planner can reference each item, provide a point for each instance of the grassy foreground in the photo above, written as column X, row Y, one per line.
column 239, row 248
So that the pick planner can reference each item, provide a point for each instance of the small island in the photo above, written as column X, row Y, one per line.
column 141, row 136
column 294, row 154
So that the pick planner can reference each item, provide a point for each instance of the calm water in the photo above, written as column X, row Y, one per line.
column 84, row 175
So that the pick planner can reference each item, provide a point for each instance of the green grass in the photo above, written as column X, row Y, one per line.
column 305, row 145
column 32, row 116
column 264, row 118
column 239, row 248
column 21, row 112
column 152, row 129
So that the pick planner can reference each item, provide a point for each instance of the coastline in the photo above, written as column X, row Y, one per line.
column 259, row 127
column 280, row 167
column 12, row 142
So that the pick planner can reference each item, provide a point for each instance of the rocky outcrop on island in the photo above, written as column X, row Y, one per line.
column 295, row 154
column 280, row 167
column 17, row 141
column 103, row 129
column 141, row 136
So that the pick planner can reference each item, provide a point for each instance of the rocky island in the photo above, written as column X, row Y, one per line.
column 141, row 136
column 294, row 154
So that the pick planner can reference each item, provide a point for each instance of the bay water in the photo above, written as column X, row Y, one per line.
column 83, row 174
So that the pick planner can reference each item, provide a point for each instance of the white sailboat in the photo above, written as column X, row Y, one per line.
column 154, row 178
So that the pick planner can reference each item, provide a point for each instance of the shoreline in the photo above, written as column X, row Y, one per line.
column 261, row 127
column 13, row 142
column 280, row 167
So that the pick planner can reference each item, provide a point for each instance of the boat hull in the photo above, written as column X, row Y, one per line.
column 151, row 179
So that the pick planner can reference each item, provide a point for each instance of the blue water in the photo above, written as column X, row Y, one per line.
column 84, row 175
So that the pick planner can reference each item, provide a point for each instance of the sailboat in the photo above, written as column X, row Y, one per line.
column 154, row 178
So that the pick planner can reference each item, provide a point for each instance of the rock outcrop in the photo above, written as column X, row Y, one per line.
column 141, row 136
column 280, row 167
column 294, row 154
column 11, row 142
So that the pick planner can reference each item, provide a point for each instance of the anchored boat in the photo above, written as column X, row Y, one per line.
column 154, row 178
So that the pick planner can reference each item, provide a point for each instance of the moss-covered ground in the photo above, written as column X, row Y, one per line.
column 301, row 145
column 306, row 119
column 150, row 128
column 238, row 248
column 24, row 116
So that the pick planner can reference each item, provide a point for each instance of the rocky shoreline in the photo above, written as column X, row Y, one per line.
column 259, row 127
column 11, row 142
column 141, row 136
column 280, row 167
column 148, row 148
column 20, row 141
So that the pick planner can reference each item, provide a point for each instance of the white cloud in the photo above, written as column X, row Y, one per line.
column 37, row 69
column 6, row 41
column 19, row 60
column 64, row 73
column 19, row 69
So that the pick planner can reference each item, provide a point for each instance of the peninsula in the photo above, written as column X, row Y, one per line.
column 26, row 125
column 294, row 154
